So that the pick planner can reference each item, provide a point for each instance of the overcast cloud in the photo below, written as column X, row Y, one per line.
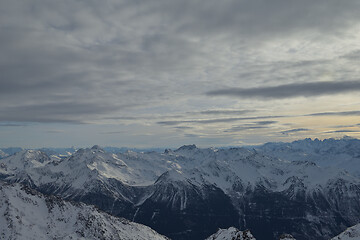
column 145, row 65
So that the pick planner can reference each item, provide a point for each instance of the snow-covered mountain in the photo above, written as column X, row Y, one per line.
column 27, row 214
column 190, row 192
column 352, row 233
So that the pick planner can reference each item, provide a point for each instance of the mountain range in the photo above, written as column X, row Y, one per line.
column 309, row 188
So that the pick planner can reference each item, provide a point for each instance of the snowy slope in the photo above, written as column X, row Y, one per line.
column 25, row 214
column 231, row 233
column 352, row 233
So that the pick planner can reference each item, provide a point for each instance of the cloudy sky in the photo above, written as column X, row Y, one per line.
column 166, row 73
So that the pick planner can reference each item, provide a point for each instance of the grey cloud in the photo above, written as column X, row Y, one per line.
column 265, row 122
column 345, row 113
column 258, row 17
column 354, row 55
column 123, row 118
column 343, row 131
column 251, row 126
column 55, row 131
column 295, row 130
column 114, row 132
column 12, row 124
column 183, row 127
column 143, row 117
column 52, row 54
column 290, row 90
column 66, row 112
column 343, row 126
column 225, row 112
column 244, row 128
column 216, row 120
column 235, row 119
column 190, row 135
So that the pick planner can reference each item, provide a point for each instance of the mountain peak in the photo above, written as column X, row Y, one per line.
column 286, row 236
column 30, row 155
column 97, row 147
column 187, row 147
column 231, row 233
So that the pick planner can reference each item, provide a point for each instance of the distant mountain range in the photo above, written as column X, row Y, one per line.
column 309, row 188
column 64, row 152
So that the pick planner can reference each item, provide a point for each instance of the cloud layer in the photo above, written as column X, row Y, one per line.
column 145, row 65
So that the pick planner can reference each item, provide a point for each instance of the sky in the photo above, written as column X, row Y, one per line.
column 161, row 73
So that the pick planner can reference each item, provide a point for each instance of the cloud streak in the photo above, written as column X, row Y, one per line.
column 215, row 120
column 287, row 132
column 312, row 89
column 345, row 113
column 251, row 126
column 343, row 131
column 61, row 112
column 225, row 112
